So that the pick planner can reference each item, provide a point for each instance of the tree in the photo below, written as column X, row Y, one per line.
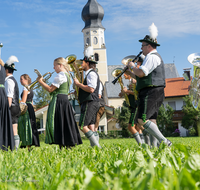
column 123, row 119
column 165, row 120
column 191, row 115
column 42, row 97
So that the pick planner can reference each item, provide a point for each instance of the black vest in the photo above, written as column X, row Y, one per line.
column 84, row 96
column 154, row 79
column 29, row 97
column 15, row 100
column 2, row 75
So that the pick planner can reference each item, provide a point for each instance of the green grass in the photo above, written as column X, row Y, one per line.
column 120, row 164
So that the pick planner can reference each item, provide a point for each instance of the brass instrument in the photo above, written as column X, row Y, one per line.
column 36, row 84
column 125, row 61
column 124, row 70
column 194, row 91
column 116, row 73
column 76, row 68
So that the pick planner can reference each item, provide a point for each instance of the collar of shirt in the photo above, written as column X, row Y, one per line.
column 86, row 72
column 8, row 77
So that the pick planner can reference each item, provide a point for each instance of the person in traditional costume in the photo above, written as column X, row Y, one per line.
column 150, row 78
column 61, row 127
column 88, row 96
column 27, row 122
column 12, row 92
column 6, row 130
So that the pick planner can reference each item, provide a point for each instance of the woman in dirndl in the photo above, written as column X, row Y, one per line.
column 6, row 129
column 27, row 121
column 61, row 127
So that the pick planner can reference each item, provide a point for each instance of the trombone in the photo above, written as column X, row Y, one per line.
column 35, row 84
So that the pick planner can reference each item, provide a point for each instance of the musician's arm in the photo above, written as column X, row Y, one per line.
column 45, row 85
column 24, row 97
column 84, row 87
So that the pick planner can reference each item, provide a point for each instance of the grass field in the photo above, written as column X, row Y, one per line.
column 120, row 164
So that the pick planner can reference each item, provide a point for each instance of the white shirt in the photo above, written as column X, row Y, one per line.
column 100, row 89
column 9, row 86
column 91, row 79
column 59, row 79
column 150, row 62
column 25, row 89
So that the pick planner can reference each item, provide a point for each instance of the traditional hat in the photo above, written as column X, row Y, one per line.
column 151, row 39
column 10, row 62
column 89, row 55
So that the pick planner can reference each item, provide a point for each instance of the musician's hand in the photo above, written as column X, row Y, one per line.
column 124, row 90
column 76, row 82
column 120, row 95
column 128, row 72
column 39, row 79
column 133, row 81
column 131, row 64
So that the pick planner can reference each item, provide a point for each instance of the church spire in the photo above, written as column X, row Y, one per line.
column 92, row 14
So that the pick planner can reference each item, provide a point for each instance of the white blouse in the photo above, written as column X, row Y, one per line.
column 59, row 79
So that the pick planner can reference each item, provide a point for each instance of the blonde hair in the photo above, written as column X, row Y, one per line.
column 62, row 61
column 26, row 77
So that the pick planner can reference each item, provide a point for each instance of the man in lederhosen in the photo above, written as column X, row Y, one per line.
column 88, row 96
column 12, row 92
column 150, row 85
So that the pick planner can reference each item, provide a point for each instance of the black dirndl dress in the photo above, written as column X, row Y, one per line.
column 6, row 129
column 27, row 125
column 61, row 127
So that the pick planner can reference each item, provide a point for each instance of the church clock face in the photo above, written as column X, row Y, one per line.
column 87, row 33
column 94, row 31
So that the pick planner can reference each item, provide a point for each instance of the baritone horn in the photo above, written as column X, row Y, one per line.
column 125, row 61
column 76, row 68
column 116, row 73
column 35, row 84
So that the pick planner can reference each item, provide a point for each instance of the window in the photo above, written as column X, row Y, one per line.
column 88, row 41
column 173, row 105
column 101, row 129
column 95, row 40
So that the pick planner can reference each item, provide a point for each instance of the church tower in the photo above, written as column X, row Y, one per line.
column 92, row 15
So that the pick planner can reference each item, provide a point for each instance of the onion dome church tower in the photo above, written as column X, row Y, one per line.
column 92, row 15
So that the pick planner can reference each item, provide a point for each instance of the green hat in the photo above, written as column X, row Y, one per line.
column 10, row 62
column 151, row 39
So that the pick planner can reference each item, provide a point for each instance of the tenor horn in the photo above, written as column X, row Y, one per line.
column 35, row 84
column 194, row 91
column 117, row 74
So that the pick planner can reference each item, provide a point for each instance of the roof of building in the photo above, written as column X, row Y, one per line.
column 176, row 87
column 114, row 90
column 92, row 15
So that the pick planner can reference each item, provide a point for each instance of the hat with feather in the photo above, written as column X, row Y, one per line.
column 89, row 55
column 151, row 39
column 10, row 62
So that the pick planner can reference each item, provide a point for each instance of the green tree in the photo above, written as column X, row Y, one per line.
column 165, row 120
column 123, row 119
column 41, row 97
column 191, row 115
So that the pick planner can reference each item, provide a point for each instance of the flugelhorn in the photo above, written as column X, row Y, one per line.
column 116, row 73
column 35, row 84
column 194, row 91
column 124, row 70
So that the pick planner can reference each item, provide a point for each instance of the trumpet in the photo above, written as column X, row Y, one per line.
column 125, row 61
column 117, row 73
column 76, row 68
column 134, row 60
column 35, row 84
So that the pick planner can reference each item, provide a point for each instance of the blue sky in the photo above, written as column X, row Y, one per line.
column 39, row 31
